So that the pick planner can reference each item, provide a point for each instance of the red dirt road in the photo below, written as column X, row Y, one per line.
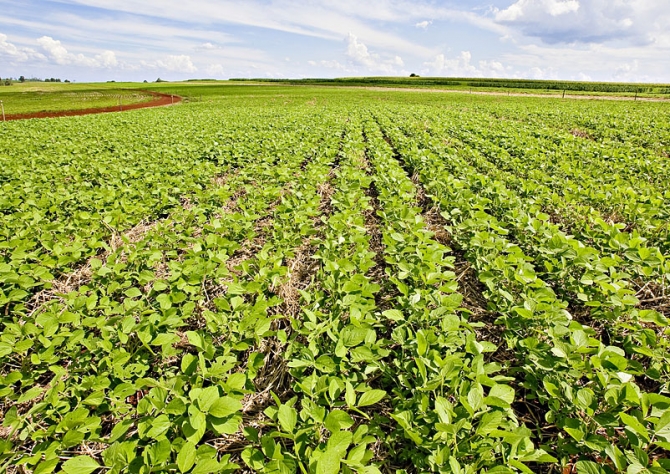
column 159, row 100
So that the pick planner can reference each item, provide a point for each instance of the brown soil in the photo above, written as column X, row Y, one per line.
column 581, row 134
column 159, row 100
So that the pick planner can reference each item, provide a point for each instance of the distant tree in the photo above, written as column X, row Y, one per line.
column 8, row 82
column 67, row 80
column 414, row 75
column 145, row 81
column 160, row 80
column 22, row 79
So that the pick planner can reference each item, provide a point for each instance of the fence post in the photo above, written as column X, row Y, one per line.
column 172, row 99
column 563, row 94
column 2, row 106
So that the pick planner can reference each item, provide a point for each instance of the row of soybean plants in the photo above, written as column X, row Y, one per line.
column 386, row 374
column 586, row 390
column 645, row 125
column 67, row 186
column 600, row 254
column 599, row 278
column 152, row 356
column 623, row 182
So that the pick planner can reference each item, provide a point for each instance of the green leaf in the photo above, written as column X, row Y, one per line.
column 502, row 393
column 31, row 394
column 350, row 395
column 662, row 428
column 633, row 423
column 339, row 441
column 228, row 425
column 159, row 426
column 371, row 397
column 164, row 301
column 588, row 467
column 80, row 465
column 394, row 315
column 338, row 420
column 46, row 467
column 253, row 458
column 288, row 417
column 207, row 397
column 133, row 292
column 329, row 463
column 490, row 421
column 186, row 457
column 225, row 406
column 352, row 336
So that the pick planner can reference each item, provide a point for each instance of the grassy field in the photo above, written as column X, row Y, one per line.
column 29, row 97
column 519, row 86
column 286, row 279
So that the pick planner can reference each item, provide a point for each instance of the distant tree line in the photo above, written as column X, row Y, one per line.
column 8, row 81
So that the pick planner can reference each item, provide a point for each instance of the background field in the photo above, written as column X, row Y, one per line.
column 22, row 98
column 313, row 279
column 27, row 97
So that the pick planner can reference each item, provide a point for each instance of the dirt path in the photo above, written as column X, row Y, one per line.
column 512, row 94
column 159, row 100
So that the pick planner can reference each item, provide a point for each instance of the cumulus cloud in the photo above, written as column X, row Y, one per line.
column 541, row 73
column 423, row 24
column 329, row 64
column 627, row 71
column 462, row 66
column 174, row 63
column 358, row 54
column 14, row 53
column 215, row 70
column 584, row 21
column 57, row 53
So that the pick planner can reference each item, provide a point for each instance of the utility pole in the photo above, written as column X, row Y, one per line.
column 2, row 106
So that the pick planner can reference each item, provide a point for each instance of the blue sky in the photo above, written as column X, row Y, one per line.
column 99, row 40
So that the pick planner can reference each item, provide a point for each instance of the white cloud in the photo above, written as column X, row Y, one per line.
column 12, row 52
column 329, row 64
column 532, row 9
column 462, row 66
column 215, row 70
column 601, row 39
column 358, row 54
column 627, row 71
column 107, row 59
column 587, row 21
column 176, row 63
column 57, row 53
column 541, row 73
column 599, row 62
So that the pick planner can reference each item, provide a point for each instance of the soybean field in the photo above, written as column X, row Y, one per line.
column 292, row 279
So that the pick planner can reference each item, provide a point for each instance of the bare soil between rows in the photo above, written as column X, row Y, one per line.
column 159, row 100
